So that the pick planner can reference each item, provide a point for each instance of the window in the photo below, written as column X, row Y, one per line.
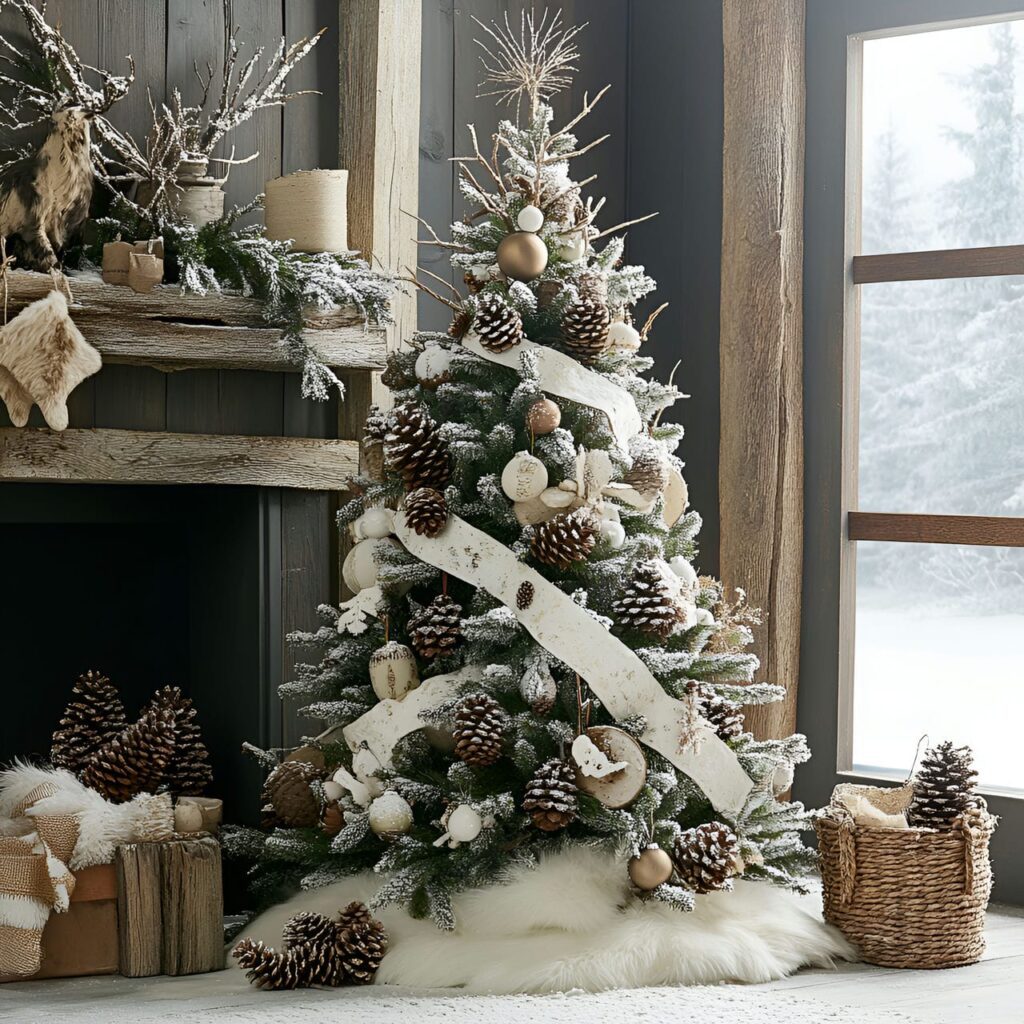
column 932, row 617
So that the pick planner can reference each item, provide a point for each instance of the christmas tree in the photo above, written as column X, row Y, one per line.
column 531, row 660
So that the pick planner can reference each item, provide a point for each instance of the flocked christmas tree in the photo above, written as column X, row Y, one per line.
column 555, row 672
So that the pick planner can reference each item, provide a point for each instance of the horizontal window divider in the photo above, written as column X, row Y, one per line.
column 988, row 531
column 939, row 264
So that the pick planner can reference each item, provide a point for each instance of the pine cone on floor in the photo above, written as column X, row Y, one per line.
column 93, row 717
column 436, row 629
column 360, row 949
column 551, row 796
column 307, row 928
column 479, row 724
column 585, row 329
column 943, row 787
column 265, row 967
column 413, row 448
column 650, row 470
column 706, row 857
column 189, row 772
column 497, row 323
column 724, row 716
column 135, row 761
column 310, row 937
column 355, row 913
column 650, row 601
column 289, row 790
column 426, row 511
column 564, row 539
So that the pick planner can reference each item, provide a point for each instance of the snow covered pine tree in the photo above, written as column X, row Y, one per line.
column 525, row 551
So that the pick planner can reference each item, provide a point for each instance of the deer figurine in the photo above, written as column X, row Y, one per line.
column 45, row 193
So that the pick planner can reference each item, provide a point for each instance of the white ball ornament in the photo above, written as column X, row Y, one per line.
column 623, row 337
column 686, row 573
column 704, row 617
column 374, row 523
column 390, row 815
column 464, row 824
column 612, row 533
column 359, row 570
column 782, row 779
column 432, row 366
column 572, row 247
column 530, row 219
column 333, row 791
column 524, row 477
column 480, row 271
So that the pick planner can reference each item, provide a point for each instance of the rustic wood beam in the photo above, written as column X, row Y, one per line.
column 761, row 448
column 939, row 264
column 145, row 457
column 908, row 528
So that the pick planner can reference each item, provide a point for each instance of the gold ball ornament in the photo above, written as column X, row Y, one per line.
column 653, row 867
column 522, row 256
column 543, row 416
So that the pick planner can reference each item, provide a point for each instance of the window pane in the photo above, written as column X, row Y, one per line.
column 940, row 650
column 943, row 136
column 942, row 397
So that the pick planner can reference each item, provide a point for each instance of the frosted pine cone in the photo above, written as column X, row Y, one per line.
column 650, row 601
column 360, row 949
column 413, row 448
column 551, row 796
column 354, row 913
column 376, row 424
column 497, row 323
column 564, row 539
column 943, row 787
column 479, row 725
column 426, row 511
column 289, row 790
column 585, row 329
column 706, row 857
column 724, row 716
column 437, row 629
column 650, row 470
column 265, row 967
column 308, row 928
column 94, row 716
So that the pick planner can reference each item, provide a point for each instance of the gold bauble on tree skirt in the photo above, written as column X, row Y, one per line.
column 651, row 868
column 522, row 256
column 543, row 416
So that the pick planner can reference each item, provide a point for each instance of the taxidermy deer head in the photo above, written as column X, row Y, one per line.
column 46, row 189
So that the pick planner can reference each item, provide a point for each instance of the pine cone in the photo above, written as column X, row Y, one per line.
column 724, row 716
column 585, row 329
column 92, row 719
column 650, row 601
column 463, row 319
column 566, row 538
column 437, row 628
column 360, row 949
column 413, row 448
column 650, row 470
column 551, row 796
column 265, row 967
column 398, row 374
column 354, row 913
column 288, row 789
column 426, row 511
column 943, row 787
column 136, row 761
column 497, row 323
column 308, row 928
column 189, row 772
column 706, row 857
column 479, row 724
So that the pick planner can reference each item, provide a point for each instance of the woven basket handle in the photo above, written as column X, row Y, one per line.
column 847, row 859
column 975, row 826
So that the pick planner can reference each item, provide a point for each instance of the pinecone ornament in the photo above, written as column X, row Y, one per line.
column 189, row 772
column 413, row 448
column 706, row 857
column 724, row 716
column 566, row 538
column 426, row 511
column 135, row 761
column 943, row 787
column 498, row 325
column 650, row 601
column 437, row 628
column 288, row 790
column 479, row 724
column 360, row 949
column 551, row 796
column 93, row 717
column 585, row 329
column 265, row 967
column 650, row 470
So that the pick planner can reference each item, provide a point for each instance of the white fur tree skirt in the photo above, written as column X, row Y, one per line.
column 572, row 923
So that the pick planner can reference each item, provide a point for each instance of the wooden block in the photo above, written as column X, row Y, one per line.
column 192, row 901
column 139, row 915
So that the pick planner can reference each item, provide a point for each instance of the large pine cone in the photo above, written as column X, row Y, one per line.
column 308, row 928
column 413, row 448
column 310, row 937
column 355, row 913
column 551, row 796
column 497, row 323
column 437, row 628
column 92, row 719
column 724, row 716
column 706, row 857
column 650, row 601
column 943, row 787
column 650, row 470
column 289, row 791
column 426, row 511
column 136, row 761
column 189, row 772
column 564, row 539
column 360, row 949
column 479, row 724
column 585, row 329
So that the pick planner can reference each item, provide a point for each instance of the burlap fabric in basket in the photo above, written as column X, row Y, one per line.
column 909, row 897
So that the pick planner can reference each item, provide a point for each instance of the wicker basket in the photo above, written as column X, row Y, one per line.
column 907, row 897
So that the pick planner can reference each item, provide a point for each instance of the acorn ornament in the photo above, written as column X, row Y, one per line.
column 390, row 815
column 524, row 477
column 522, row 256
column 650, row 868
column 393, row 671
column 543, row 416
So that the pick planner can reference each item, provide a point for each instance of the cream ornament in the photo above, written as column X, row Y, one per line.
column 390, row 815
column 524, row 477
column 612, row 533
column 688, row 582
column 613, row 769
column 357, row 612
column 572, row 247
column 704, row 617
column 333, row 791
column 375, row 524
column 363, row 791
column 676, row 497
column 433, row 366
column 359, row 570
column 462, row 824
column 393, row 671
column 591, row 760
column 530, row 219
column 623, row 337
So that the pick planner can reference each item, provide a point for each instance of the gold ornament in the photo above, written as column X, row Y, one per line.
column 522, row 256
column 543, row 416
column 653, row 867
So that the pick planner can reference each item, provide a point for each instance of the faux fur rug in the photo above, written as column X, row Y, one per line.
column 571, row 923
